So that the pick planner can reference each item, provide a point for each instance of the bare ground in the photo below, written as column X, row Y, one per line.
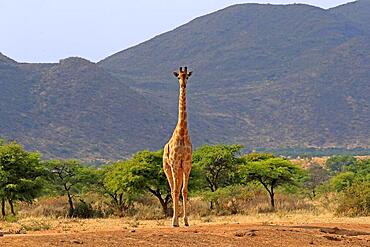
column 240, row 231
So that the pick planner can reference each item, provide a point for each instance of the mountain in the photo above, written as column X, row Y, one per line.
column 76, row 109
column 357, row 12
column 264, row 76
column 270, row 75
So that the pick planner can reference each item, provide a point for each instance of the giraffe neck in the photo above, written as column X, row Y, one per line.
column 182, row 122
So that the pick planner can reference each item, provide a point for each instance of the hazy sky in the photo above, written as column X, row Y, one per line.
column 48, row 30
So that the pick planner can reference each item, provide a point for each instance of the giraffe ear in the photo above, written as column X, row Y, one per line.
column 176, row 74
column 189, row 74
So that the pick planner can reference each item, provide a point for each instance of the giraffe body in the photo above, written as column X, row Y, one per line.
column 177, row 154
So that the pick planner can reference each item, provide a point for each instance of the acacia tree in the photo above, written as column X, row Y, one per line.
column 149, row 167
column 120, row 185
column 271, row 173
column 69, row 178
column 20, row 175
column 216, row 166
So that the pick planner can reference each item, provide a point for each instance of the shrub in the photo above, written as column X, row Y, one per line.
column 35, row 224
column 231, row 199
column 49, row 207
column 355, row 200
column 83, row 210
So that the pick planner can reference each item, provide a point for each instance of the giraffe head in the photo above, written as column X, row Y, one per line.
column 183, row 76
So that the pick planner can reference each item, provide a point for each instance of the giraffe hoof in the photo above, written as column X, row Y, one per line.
column 186, row 224
column 175, row 225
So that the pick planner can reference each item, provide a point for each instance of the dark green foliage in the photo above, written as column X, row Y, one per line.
column 358, row 171
column 339, row 163
column 20, row 175
column 272, row 173
column 295, row 152
column 342, row 180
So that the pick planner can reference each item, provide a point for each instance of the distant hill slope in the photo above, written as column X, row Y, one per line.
column 357, row 12
column 264, row 76
column 267, row 75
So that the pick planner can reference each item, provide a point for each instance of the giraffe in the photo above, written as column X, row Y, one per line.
column 177, row 153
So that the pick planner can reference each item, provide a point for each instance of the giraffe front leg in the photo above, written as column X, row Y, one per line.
column 185, row 195
column 177, row 178
column 168, row 171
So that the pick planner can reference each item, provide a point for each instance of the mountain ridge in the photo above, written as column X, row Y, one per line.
column 264, row 76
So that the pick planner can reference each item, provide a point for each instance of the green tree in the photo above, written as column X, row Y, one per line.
column 20, row 175
column 69, row 177
column 272, row 173
column 338, row 163
column 355, row 172
column 217, row 165
column 149, row 167
column 342, row 180
column 121, row 185
column 361, row 168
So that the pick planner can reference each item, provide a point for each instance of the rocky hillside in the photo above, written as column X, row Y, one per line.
column 264, row 76
column 267, row 75
column 76, row 109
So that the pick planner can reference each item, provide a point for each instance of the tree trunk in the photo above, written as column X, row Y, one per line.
column 11, row 206
column 71, row 207
column 164, row 202
column 3, row 207
column 164, row 206
column 211, row 207
column 272, row 198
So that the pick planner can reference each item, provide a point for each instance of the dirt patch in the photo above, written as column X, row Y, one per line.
column 335, row 230
column 205, row 235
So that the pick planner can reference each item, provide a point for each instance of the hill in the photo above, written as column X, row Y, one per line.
column 76, row 109
column 264, row 76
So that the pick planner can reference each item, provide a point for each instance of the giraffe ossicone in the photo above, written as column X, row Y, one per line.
column 177, row 154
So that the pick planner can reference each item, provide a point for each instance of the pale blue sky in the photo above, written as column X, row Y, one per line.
column 48, row 30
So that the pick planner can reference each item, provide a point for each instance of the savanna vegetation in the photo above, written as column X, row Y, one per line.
column 224, row 181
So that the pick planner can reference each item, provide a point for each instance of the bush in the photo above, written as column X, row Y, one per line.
column 54, row 207
column 83, row 210
column 231, row 199
column 355, row 200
